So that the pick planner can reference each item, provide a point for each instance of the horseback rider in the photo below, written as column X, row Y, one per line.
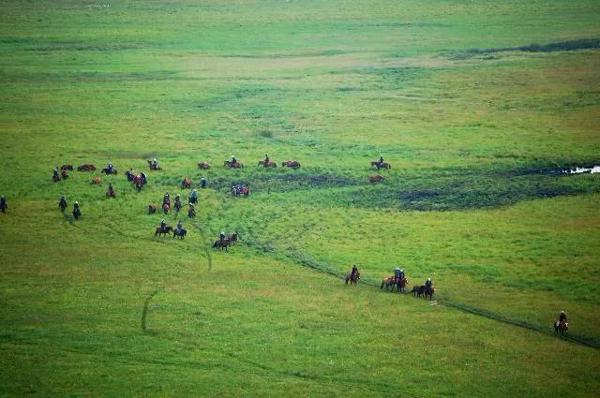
column 163, row 225
column 144, row 179
column 222, row 236
column 177, row 202
column 203, row 182
column 167, row 199
column 62, row 203
column 154, row 164
column 3, row 204
column 381, row 160
column 354, row 272
column 428, row 283
column 194, row 196
column 191, row 211
column 562, row 317
column 76, row 209
column 179, row 228
column 397, row 274
column 233, row 160
column 266, row 158
column 109, row 168
column 110, row 192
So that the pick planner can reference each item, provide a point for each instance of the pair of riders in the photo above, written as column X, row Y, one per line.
column 3, row 204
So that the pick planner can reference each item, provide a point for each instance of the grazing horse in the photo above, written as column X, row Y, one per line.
column 86, row 167
column 561, row 327
column 180, row 235
column 186, row 183
column 233, row 165
column 380, row 165
column 353, row 279
column 376, row 178
column 203, row 165
column 270, row 163
column 293, row 164
column 152, row 209
column 67, row 167
column 163, row 231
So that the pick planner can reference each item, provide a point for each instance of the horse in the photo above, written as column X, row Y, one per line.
column 64, row 175
column 76, row 213
column 352, row 278
column 111, row 193
column 391, row 281
column 233, row 165
column 166, row 207
column 152, row 166
column 238, row 190
column 152, row 209
column 376, row 178
column 108, row 171
column 401, row 285
column 418, row 291
column 67, row 167
column 186, row 183
column 130, row 175
column 293, row 164
column 191, row 212
column 203, row 165
column 139, row 182
column 96, row 180
column 163, row 231
column 561, row 327
column 222, row 244
column 429, row 291
column 232, row 237
column 177, row 206
column 62, row 205
column 180, row 235
column 86, row 167
column 264, row 163
column 380, row 165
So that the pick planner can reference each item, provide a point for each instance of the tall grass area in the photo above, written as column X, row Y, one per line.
column 478, row 106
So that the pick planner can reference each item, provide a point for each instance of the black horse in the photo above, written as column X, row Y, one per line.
column 180, row 234
column 163, row 231
column 76, row 213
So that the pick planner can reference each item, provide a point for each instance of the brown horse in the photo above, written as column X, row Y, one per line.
column 233, row 165
column 376, row 178
column 270, row 163
column 166, row 231
column 204, row 165
column 293, row 164
column 390, row 282
column 380, row 165
column 96, row 180
column 186, row 183
column 86, row 167
column 353, row 279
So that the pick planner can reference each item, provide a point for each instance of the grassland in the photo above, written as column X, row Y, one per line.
column 475, row 104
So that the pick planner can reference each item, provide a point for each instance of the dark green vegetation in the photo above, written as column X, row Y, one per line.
column 476, row 105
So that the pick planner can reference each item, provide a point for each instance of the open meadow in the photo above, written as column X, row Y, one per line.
column 479, row 107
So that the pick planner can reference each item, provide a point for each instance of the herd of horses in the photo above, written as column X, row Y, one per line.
column 391, row 282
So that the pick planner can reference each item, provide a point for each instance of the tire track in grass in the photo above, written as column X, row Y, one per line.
column 304, row 260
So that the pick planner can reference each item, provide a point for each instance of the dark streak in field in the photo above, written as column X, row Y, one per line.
column 571, row 45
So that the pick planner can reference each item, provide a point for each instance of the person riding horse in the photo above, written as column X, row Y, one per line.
column 179, row 228
column 193, row 197
column 562, row 318
column 76, row 210
column 144, row 179
column 381, row 160
column 203, row 182
column 354, row 272
column 428, row 284
column 266, row 158
column 154, row 164
column 62, row 203
column 191, row 211
column 110, row 192
column 233, row 160
column 109, row 168
column 222, row 236
column 177, row 202
column 3, row 204
column 167, row 200
column 163, row 225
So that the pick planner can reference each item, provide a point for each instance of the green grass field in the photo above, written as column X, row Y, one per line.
column 476, row 104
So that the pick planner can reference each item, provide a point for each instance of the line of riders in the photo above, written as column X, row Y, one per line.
column 192, row 202
column 398, row 280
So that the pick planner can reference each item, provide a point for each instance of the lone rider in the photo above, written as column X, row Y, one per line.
column 177, row 202
column 380, row 160
column 163, row 225
column 3, row 204
column 428, row 284
column 194, row 196
column 222, row 236
column 233, row 160
column 354, row 272
column 76, row 210
column 109, row 168
column 154, row 164
column 62, row 203
column 266, row 158
column 562, row 317
column 203, row 182
column 167, row 199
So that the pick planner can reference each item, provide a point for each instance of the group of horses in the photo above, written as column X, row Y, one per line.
column 391, row 282
column 168, row 229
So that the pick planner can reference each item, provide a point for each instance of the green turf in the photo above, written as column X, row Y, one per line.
column 476, row 104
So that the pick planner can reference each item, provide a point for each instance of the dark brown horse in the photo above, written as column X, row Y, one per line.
column 352, row 278
column 186, row 183
column 233, row 165
column 86, row 167
column 222, row 244
column 418, row 291
column 270, row 163
column 293, row 164
column 163, row 231
column 429, row 292
column 166, row 207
